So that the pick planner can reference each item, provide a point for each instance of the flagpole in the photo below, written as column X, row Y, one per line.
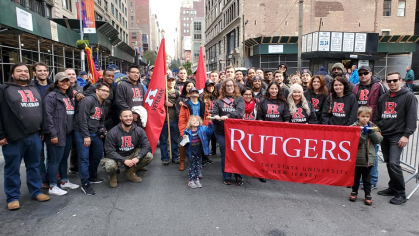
column 167, row 111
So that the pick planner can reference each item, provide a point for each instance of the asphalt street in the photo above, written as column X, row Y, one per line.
column 163, row 204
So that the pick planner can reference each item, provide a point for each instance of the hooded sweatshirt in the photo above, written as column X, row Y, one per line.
column 318, row 101
column 230, row 107
column 273, row 110
column 129, row 95
column 397, row 114
column 300, row 116
column 179, row 84
column 120, row 144
column 343, row 111
column 90, row 116
column 21, row 111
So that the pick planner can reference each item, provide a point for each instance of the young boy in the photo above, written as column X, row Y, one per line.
column 370, row 136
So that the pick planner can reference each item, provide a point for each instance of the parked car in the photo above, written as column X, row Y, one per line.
column 416, row 85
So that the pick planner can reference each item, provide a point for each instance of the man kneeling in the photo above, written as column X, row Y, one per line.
column 126, row 144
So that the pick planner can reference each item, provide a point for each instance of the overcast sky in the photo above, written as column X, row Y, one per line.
column 167, row 12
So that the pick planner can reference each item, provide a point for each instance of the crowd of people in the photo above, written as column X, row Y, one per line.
column 102, row 124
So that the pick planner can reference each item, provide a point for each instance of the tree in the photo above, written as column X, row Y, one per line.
column 150, row 56
column 188, row 67
column 175, row 64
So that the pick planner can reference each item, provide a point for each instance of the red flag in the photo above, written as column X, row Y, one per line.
column 201, row 74
column 92, row 66
column 155, row 97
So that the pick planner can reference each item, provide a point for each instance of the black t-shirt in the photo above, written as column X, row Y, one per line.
column 196, row 146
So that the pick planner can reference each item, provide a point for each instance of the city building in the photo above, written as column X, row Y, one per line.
column 273, row 40
column 197, row 30
column 154, row 33
column 139, row 24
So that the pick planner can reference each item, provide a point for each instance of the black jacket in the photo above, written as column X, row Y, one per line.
column 119, row 144
column 90, row 116
column 90, row 89
column 230, row 107
column 317, row 100
column 397, row 114
column 126, row 98
column 273, row 110
column 343, row 110
column 59, row 116
column 21, row 111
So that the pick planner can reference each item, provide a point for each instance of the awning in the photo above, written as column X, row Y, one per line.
column 399, row 39
column 271, row 40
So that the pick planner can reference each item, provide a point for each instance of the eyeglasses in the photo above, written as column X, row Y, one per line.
column 392, row 80
column 104, row 90
column 363, row 73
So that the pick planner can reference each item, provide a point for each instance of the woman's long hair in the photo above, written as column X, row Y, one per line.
column 184, row 92
column 343, row 81
column 223, row 88
column 280, row 97
column 291, row 104
column 323, row 88
column 207, row 95
column 54, row 86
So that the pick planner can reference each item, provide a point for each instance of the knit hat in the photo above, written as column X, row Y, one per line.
column 306, row 71
column 339, row 65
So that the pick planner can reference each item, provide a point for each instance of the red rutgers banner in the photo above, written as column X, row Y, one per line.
column 317, row 154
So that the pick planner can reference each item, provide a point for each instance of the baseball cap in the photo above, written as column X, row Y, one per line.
column 257, row 77
column 170, row 77
column 208, row 82
column 113, row 67
column 83, row 72
column 306, row 71
column 61, row 76
column 367, row 68
column 193, row 90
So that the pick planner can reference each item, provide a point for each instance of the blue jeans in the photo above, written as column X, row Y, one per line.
column 57, row 162
column 28, row 149
column 43, row 167
column 174, row 135
column 222, row 143
column 88, row 157
column 374, row 169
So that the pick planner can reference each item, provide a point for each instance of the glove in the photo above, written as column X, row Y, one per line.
column 365, row 130
column 369, row 130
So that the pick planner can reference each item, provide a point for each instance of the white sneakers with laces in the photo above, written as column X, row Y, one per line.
column 56, row 191
column 69, row 185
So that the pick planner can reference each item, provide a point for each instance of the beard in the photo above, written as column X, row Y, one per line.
column 126, row 125
column 336, row 75
column 22, row 81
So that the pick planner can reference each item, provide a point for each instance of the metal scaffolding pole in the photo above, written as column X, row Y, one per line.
column 300, row 32
column 20, row 48
column 74, row 63
column 53, row 59
column 64, row 58
column 39, row 50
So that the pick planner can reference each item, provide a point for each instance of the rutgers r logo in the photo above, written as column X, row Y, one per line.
column 363, row 95
column 98, row 113
column 211, row 105
column 126, row 142
column 315, row 103
column 136, row 92
column 27, row 96
column 338, row 107
column 298, row 113
column 390, row 108
column 230, row 104
column 249, row 116
column 273, row 109
column 68, row 105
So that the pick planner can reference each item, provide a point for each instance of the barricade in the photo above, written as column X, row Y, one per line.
column 409, row 161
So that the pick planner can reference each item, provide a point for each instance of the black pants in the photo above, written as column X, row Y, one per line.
column 365, row 173
column 391, row 153
column 213, row 143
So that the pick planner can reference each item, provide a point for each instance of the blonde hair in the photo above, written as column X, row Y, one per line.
column 189, row 125
column 291, row 103
column 364, row 109
column 297, row 78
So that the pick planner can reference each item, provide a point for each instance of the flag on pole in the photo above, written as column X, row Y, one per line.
column 155, row 98
column 201, row 74
column 91, row 64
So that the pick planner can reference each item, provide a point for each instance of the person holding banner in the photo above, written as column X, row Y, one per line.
column 340, row 107
column 273, row 107
column 316, row 93
column 230, row 104
column 301, row 111
column 209, row 96
column 396, row 115
column 365, row 158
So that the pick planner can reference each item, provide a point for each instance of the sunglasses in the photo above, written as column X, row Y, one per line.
column 392, row 80
column 363, row 73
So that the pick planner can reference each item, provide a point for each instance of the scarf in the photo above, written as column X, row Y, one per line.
column 250, row 106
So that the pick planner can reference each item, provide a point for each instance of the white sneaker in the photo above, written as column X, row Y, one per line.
column 56, row 191
column 192, row 184
column 198, row 184
column 69, row 185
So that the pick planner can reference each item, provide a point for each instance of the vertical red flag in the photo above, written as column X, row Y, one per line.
column 155, row 97
column 91, row 65
column 201, row 74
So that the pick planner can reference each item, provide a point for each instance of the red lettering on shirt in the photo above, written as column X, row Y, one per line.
column 338, row 107
column 390, row 108
column 27, row 96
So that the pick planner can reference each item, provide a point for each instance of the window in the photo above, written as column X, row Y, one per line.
column 132, row 4
column 48, row 11
column 97, row 16
column 385, row 32
column 184, row 31
column 112, row 9
column 187, row 31
column 105, row 5
column 134, row 36
column 132, row 17
column 197, row 26
column 99, row 2
column 197, row 36
column 387, row 8
column 116, row 13
column 67, row 5
column 402, row 8
column 37, row 7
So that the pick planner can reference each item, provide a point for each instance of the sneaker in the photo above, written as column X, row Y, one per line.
column 227, row 181
column 192, row 184
column 55, row 190
column 96, row 180
column 210, row 162
column 87, row 190
column 263, row 180
column 386, row 192
column 200, row 176
column 373, row 186
column 239, row 181
column 368, row 200
column 176, row 161
column 353, row 196
column 198, row 184
column 398, row 200
column 69, row 185
column 204, row 163
column 165, row 163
